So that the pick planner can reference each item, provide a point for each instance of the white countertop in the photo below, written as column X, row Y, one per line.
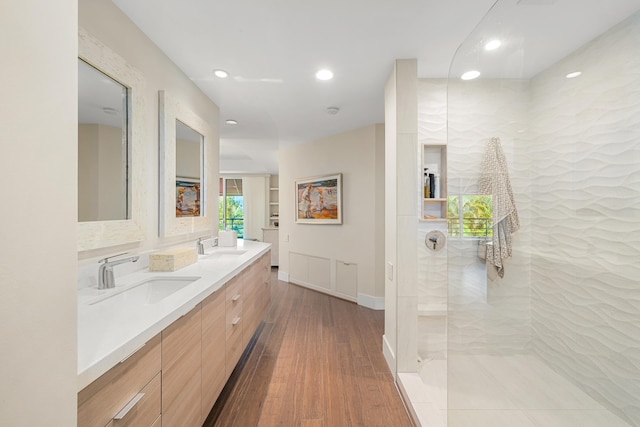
column 111, row 330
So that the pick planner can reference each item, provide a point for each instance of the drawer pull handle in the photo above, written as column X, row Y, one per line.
column 132, row 353
column 236, row 321
column 123, row 413
column 235, row 298
column 188, row 311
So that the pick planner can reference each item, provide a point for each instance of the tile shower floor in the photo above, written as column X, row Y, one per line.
column 500, row 391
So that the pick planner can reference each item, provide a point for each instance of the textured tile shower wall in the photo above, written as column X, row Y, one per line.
column 484, row 317
column 586, row 218
column 572, row 289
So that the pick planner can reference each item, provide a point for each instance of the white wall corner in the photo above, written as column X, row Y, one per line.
column 374, row 303
column 283, row 276
column 389, row 355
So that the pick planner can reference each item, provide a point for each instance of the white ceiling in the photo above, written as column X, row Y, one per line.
column 272, row 49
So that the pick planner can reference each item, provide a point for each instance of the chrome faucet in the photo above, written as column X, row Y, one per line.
column 105, row 272
column 200, row 246
column 200, row 243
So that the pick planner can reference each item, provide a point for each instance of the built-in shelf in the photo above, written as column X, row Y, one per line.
column 434, row 159
column 274, row 202
column 433, row 220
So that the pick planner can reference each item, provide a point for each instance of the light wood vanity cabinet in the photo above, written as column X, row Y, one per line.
column 265, row 285
column 108, row 396
column 176, row 378
column 234, row 321
column 182, row 371
column 213, row 349
column 257, row 296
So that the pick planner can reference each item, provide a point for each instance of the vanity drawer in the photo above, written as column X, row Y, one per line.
column 104, row 398
column 213, row 349
column 234, row 291
column 182, row 371
column 234, row 342
column 265, row 264
column 234, row 319
column 145, row 411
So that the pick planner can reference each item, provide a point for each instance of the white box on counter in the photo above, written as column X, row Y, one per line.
column 227, row 238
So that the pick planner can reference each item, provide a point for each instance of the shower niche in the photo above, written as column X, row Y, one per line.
column 434, row 182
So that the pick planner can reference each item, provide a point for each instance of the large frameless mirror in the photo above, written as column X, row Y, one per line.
column 111, row 166
column 103, row 141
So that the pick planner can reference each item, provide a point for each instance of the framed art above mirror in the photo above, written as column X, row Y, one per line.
column 187, row 191
column 111, row 163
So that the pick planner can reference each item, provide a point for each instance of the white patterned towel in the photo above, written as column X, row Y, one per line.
column 495, row 181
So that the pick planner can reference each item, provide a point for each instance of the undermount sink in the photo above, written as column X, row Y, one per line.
column 231, row 251
column 147, row 292
column 225, row 252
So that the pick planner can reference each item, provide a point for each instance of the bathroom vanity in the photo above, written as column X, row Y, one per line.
column 162, row 356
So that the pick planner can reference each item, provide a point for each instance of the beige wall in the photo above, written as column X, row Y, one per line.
column 355, row 154
column 87, row 172
column 189, row 159
column 103, row 20
column 101, row 195
column 38, row 150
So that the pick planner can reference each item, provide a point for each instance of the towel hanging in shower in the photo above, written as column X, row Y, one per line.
column 495, row 181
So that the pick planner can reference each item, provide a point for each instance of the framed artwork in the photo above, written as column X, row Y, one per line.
column 187, row 197
column 319, row 200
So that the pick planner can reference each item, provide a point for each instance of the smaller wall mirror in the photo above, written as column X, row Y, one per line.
column 189, row 168
column 186, row 171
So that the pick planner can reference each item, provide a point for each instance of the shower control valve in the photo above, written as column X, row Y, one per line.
column 435, row 240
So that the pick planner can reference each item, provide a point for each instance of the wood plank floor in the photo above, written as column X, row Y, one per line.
column 317, row 362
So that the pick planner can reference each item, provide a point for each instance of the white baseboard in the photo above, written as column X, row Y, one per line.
column 283, row 276
column 389, row 355
column 374, row 303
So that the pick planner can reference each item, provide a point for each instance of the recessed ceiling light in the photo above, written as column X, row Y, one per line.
column 221, row 73
column 231, row 122
column 470, row 75
column 110, row 111
column 324, row 75
column 573, row 74
column 333, row 110
column 492, row 45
